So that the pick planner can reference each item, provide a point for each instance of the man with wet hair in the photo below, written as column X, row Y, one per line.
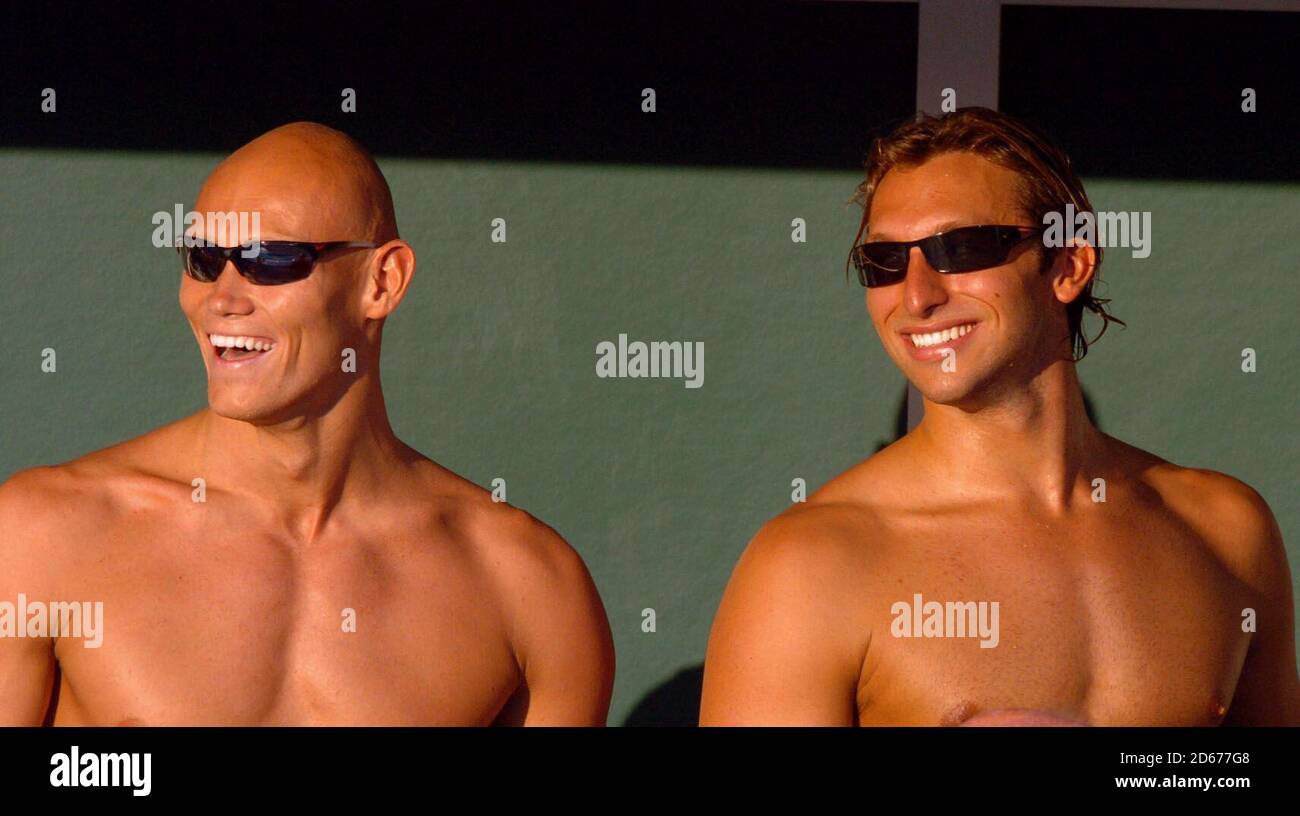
column 969, row 573
column 321, row 572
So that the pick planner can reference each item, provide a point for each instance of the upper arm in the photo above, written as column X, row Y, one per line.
column 1268, row 690
column 560, row 635
column 26, row 663
column 782, row 650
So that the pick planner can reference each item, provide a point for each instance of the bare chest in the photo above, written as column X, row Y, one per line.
column 1128, row 621
column 225, row 626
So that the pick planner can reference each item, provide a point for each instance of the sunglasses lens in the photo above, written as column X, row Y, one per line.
column 972, row 248
column 968, row 249
column 880, row 263
column 203, row 263
column 276, row 264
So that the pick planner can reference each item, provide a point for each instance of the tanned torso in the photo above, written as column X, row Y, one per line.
column 1127, row 612
column 216, row 614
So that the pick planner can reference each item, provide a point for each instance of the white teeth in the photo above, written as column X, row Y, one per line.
column 935, row 338
column 240, row 341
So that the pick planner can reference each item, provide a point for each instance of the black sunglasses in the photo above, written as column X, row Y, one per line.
column 265, row 263
column 966, row 249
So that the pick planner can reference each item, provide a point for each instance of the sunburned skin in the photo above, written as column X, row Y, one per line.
column 1130, row 611
column 331, row 574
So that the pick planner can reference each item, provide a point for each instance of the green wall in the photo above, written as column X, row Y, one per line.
column 489, row 365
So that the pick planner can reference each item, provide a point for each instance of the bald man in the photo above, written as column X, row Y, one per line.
column 322, row 572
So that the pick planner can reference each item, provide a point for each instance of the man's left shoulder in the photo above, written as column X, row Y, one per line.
column 1229, row 515
column 551, row 606
column 508, row 542
column 522, row 545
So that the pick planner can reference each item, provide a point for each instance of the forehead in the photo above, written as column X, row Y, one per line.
column 293, row 200
column 953, row 189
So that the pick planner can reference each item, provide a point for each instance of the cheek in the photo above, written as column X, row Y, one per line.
column 1024, row 307
column 1013, row 299
column 340, row 297
column 298, row 308
column 190, row 296
column 881, row 302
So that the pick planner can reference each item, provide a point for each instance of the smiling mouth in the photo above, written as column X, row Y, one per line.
column 234, row 348
column 940, row 337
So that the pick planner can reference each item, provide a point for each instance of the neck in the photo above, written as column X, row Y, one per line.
column 1034, row 445
column 303, row 469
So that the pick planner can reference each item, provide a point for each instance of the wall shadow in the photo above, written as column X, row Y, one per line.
column 675, row 702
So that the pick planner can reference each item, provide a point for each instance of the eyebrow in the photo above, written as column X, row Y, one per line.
column 944, row 227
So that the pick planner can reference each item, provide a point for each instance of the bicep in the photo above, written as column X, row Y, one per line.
column 567, row 654
column 1268, row 690
column 777, row 655
column 26, row 663
column 26, row 680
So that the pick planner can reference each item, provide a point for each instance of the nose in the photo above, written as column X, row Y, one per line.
column 923, row 286
column 229, row 295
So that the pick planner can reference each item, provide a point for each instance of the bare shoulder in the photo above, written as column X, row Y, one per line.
column 800, row 589
column 823, row 548
column 813, row 538
column 43, row 511
column 518, row 552
column 1229, row 515
column 49, row 508
column 39, row 502
column 552, row 611
column 791, row 633
column 33, row 507
column 848, row 522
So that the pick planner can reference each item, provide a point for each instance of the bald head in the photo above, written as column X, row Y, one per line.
column 309, row 182
column 301, row 182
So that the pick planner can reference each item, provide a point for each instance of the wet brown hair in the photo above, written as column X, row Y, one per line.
column 1048, row 182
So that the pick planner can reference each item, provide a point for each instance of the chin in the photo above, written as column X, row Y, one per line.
column 968, row 390
column 951, row 392
column 253, row 411
column 978, row 381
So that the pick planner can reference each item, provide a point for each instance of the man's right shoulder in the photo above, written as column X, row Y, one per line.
column 36, row 523
column 836, row 535
column 797, row 612
column 39, row 501
column 817, row 543
column 36, row 494
column 42, row 504
column 89, row 485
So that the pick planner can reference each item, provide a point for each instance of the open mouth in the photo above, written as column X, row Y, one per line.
column 236, row 348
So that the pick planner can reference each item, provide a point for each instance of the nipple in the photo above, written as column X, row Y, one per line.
column 1217, row 708
column 958, row 714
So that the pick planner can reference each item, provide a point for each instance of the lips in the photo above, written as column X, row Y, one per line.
column 936, row 341
column 239, row 350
